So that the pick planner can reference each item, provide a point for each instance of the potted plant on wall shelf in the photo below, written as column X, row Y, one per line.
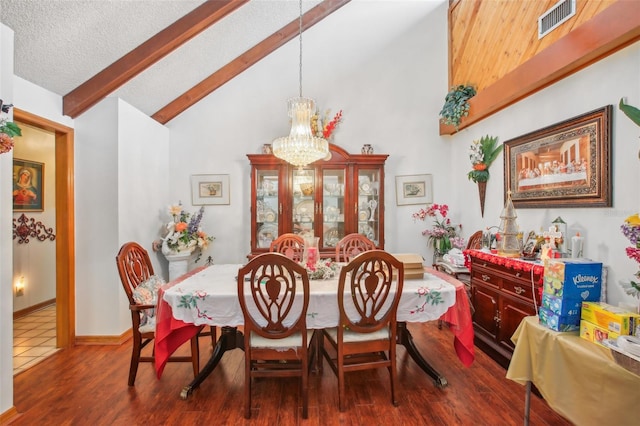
column 482, row 153
column 456, row 105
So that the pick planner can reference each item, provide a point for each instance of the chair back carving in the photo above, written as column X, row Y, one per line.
column 291, row 245
column 134, row 267
column 352, row 245
column 475, row 241
column 267, row 294
column 276, row 339
column 374, row 280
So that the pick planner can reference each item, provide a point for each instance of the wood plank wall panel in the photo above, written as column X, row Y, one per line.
column 490, row 38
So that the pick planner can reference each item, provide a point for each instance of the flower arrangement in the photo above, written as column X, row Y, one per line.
column 184, row 232
column 443, row 236
column 631, row 229
column 322, row 126
column 322, row 269
column 482, row 153
column 8, row 129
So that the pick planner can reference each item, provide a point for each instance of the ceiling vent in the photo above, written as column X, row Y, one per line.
column 552, row 18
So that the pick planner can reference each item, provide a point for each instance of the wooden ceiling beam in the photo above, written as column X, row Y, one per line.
column 155, row 48
column 246, row 60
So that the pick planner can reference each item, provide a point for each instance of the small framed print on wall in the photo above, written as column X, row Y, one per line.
column 209, row 189
column 28, row 186
column 414, row 189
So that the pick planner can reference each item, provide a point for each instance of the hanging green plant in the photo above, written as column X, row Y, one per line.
column 456, row 105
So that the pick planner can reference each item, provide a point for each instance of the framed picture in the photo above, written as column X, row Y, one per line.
column 209, row 189
column 567, row 164
column 28, row 186
column 414, row 189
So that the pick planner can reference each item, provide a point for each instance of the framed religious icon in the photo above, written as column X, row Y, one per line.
column 209, row 189
column 567, row 164
column 28, row 186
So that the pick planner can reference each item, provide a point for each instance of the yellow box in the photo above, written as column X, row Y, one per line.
column 595, row 334
column 611, row 318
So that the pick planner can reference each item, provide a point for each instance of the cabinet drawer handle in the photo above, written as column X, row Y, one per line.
column 497, row 318
column 519, row 290
column 485, row 277
column 280, row 208
column 518, row 274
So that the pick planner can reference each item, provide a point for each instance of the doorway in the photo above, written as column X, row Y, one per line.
column 65, row 219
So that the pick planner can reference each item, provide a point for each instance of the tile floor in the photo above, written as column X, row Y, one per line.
column 34, row 338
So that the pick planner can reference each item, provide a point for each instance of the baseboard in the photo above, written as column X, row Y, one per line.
column 103, row 340
column 26, row 311
column 10, row 414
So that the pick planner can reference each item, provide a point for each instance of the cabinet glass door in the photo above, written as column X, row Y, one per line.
column 268, row 207
column 304, row 204
column 333, row 206
column 368, row 206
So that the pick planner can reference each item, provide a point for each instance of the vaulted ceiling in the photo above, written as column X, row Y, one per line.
column 161, row 56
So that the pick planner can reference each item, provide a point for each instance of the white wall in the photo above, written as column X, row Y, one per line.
column 601, row 84
column 6, row 249
column 121, row 163
column 390, row 100
column 36, row 260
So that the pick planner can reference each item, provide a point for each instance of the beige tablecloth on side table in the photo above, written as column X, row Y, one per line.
column 578, row 379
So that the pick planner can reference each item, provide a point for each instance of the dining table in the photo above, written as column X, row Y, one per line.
column 208, row 296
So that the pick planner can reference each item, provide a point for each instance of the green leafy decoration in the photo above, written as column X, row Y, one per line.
column 10, row 128
column 456, row 105
column 482, row 154
column 630, row 111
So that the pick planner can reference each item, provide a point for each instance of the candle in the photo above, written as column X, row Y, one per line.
column 312, row 255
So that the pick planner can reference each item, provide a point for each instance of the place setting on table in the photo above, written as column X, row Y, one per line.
column 208, row 296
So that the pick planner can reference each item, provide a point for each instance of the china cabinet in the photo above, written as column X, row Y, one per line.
column 327, row 199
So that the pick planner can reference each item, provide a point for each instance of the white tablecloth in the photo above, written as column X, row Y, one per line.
column 210, row 297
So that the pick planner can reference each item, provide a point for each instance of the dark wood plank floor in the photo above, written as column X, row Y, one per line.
column 88, row 385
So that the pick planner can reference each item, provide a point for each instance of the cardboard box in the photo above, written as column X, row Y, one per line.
column 561, row 306
column 595, row 334
column 573, row 279
column 611, row 318
column 558, row 322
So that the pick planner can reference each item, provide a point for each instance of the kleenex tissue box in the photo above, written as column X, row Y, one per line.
column 573, row 279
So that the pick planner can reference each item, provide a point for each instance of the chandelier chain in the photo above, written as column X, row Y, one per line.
column 300, row 38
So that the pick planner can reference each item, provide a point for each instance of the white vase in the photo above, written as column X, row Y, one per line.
column 178, row 260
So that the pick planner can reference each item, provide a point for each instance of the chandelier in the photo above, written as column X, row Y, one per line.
column 301, row 147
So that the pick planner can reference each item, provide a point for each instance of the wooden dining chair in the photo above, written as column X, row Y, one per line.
column 276, row 339
column 352, row 245
column 369, row 289
column 291, row 245
column 141, row 285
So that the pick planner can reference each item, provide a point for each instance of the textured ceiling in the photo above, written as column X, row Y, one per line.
column 60, row 44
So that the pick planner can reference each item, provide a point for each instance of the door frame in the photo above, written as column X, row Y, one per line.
column 65, row 224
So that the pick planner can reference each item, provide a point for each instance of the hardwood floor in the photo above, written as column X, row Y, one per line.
column 88, row 385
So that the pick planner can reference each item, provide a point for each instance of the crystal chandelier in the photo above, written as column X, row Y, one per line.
column 301, row 147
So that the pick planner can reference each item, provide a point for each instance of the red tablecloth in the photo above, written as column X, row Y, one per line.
column 172, row 333
column 459, row 319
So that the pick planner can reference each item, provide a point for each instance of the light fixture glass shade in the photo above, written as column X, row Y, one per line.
column 301, row 147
